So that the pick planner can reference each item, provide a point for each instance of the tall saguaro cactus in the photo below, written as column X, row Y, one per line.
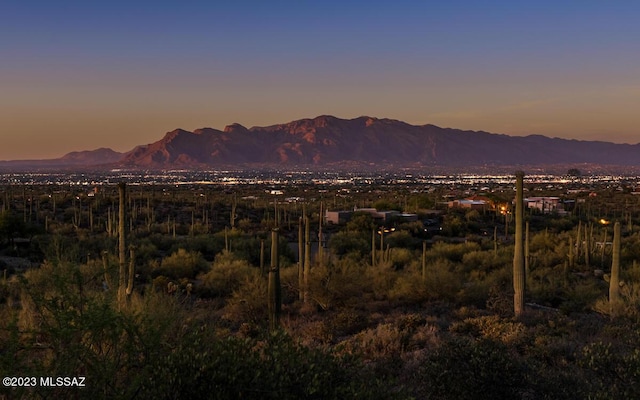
column 132, row 269
column 122, row 278
column 527, row 254
column 320, row 238
column 301, row 258
column 274, row 284
column 424, row 260
column 614, row 279
column 307, row 258
column 518, row 255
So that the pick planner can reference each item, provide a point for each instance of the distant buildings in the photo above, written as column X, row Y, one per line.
column 479, row 205
column 338, row 217
column 545, row 205
column 341, row 217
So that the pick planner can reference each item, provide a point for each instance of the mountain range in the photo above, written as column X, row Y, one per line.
column 327, row 141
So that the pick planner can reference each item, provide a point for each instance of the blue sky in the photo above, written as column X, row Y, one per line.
column 81, row 75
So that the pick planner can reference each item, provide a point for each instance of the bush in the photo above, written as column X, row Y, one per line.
column 201, row 366
column 182, row 264
column 225, row 275
column 464, row 369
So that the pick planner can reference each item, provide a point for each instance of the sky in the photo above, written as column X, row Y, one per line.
column 79, row 75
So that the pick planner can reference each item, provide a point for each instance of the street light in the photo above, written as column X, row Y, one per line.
column 505, row 211
column 381, row 232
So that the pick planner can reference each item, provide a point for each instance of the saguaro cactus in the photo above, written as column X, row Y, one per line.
column 122, row 278
column 307, row 257
column 424, row 260
column 518, row 255
column 590, row 242
column 105, row 267
column 132, row 269
column 320, row 238
column 527, row 255
column 301, row 258
column 373, row 247
column 614, row 279
column 578, row 241
column 274, row 284
column 262, row 256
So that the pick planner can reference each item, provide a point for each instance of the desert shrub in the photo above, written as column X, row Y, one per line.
column 248, row 301
column 201, row 366
column 162, row 242
column 146, row 251
column 345, row 242
column 383, row 341
column 470, row 369
column 451, row 252
column 400, row 258
column 181, row 264
column 484, row 261
column 225, row 275
column 360, row 222
column 492, row 327
column 382, row 278
column 546, row 286
column 581, row 295
column 401, row 239
column 337, row 284
column 207, row 245
column 615, row 370
column 542, row 242
column 385, row 205
column 441, row 281
column 347, row 321
column 67, row 328
column 408, row 287
column 453, row 225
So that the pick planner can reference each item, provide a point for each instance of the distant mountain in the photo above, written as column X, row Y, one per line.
column 366, row 141
column 92, row 157
column 363, row 142
column 101, row 156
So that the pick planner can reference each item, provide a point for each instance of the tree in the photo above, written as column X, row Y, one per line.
column 11, row 226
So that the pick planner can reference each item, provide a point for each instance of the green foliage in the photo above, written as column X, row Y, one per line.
column 201, row 366
column 442, row 281
column 182, row 264
column 385, row 205
column 615, row 370
column 225, row 276
column 485, row 261
column 451, row 252
column 338, row 284
column 453, row 225
column 248, row 302
column 464, row 369
column 345, row 242
column 67, row 328
column 360, row 222
column 409, row 288
column 401, row 239
column 155, row 353
column 11, row 225
column 400, row 258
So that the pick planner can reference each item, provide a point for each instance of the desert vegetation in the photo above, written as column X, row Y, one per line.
column 238, row 291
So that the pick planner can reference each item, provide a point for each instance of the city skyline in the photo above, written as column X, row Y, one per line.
column 79, row 76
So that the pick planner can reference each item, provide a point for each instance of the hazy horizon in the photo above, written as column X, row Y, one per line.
column 83, row 76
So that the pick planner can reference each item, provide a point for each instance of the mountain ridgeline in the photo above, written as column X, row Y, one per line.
column 363, row 141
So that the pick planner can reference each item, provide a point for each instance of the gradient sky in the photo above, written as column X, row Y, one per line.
column 78, row 75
